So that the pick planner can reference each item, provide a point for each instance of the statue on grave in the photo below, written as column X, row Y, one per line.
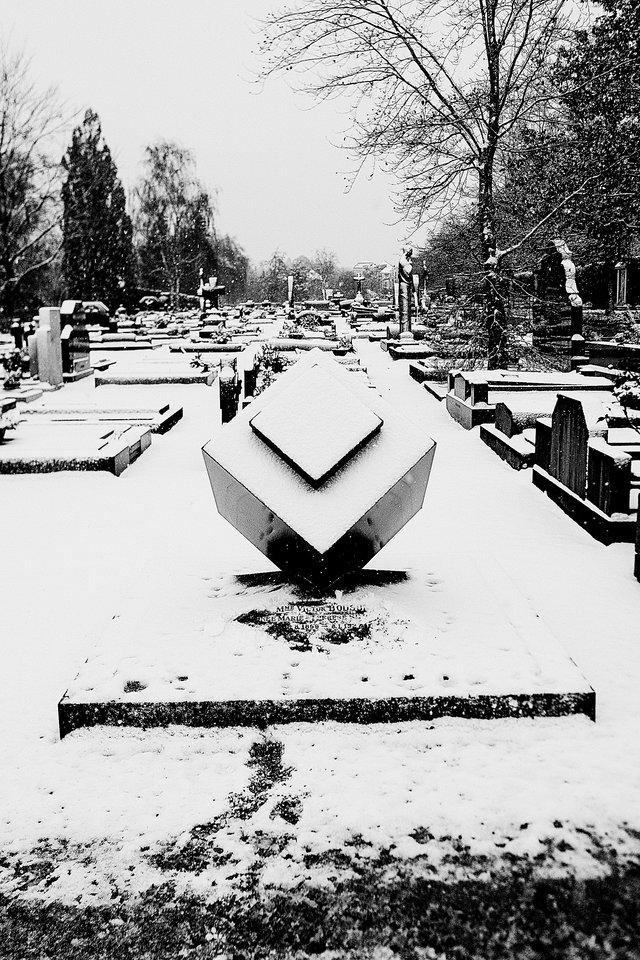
column 575, row 300
column 405, row 291
column 291, row 313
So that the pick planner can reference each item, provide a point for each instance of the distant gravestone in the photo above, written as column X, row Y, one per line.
column 573, row 423
column 32, row 346
column 48, row 347
column 72, row 311
column 569, row 438
column 75, row 354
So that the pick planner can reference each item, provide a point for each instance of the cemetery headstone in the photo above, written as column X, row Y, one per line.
column 48, row 346
column 230, row 389
column 76, row 362
column 73, row 312
column 17, row 333
column 586, row 465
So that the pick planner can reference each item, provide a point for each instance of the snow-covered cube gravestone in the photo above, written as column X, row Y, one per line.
column 319, row 472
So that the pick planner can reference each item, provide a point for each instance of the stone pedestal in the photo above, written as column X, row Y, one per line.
column 578, row 351
column 253, row 650
column 405, row 293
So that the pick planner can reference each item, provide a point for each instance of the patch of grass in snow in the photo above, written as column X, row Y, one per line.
column 200, row 849
column 265, row 756
column 39, row 867
column 288, row 809
column 514, row 914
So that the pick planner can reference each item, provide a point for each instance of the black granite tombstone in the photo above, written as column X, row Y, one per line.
column 75, row 354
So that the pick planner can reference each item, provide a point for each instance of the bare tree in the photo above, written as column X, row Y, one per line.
column 439, row 89
column 325, row 264
column 30, row 121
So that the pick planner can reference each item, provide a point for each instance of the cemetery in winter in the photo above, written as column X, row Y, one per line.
column 321, row 575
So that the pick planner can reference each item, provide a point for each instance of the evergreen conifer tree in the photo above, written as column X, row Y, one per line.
column 98, row 257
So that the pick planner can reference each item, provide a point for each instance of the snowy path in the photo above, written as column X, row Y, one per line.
column 78, row 547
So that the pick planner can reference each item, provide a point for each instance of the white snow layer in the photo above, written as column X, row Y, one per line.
column 79, row 548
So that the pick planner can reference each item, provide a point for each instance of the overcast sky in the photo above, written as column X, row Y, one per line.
column 182, row 69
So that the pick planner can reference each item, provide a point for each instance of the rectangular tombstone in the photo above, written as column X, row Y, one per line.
column 575, row 421
column 461, row 386
column 75, row 353
column 49, row 317
column 543, row 443
column 570, row 435
column 32, row 343
column 608, row 477
column 49, row 367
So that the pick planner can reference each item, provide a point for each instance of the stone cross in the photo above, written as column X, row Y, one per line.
column 358, row 279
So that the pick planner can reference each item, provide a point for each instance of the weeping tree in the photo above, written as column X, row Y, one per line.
column 439, row 90
column 174, row 222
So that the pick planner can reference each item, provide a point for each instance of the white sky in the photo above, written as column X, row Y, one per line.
column 181, row 69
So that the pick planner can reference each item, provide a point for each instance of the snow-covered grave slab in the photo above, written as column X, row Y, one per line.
column 45, row 447
column 159, row 419
column 319, row 472
column 108, row 343
column 472, row 395
column 255, row 650
column 206, row 346
column 588, row 477
column 512, row 436
column 413, row 350
column 152, row 371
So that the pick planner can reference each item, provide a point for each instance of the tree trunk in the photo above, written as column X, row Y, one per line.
column 611, row 291
column 494, row 283
column 7, row 297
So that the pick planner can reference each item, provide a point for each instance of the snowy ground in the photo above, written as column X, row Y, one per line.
column 106, row 810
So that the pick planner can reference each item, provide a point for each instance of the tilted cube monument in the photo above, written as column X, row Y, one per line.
column 319, row 472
